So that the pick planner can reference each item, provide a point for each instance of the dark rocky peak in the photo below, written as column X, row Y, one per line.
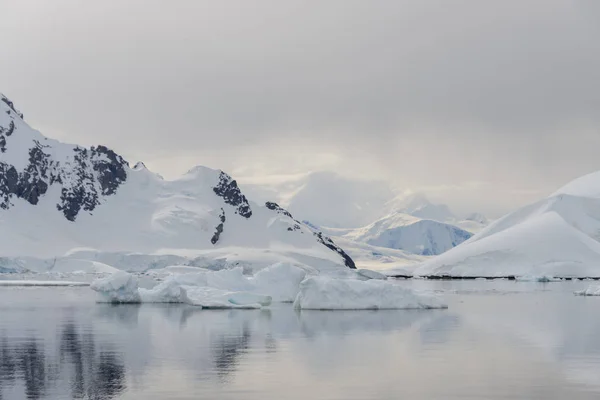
column 327, row 242
column 30, row 164
column 96, row 172
column 280, row 210
column 10, row 105
column 324, row 240
column 228, row 190
column 110, row 167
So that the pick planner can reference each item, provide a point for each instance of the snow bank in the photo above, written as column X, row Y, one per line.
column 590, row 291
column 281, row 281
column 119, row 287
column 321, row 293
column 369, row 274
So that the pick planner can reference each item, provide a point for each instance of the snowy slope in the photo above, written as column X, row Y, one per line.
column 58, row 199
column 556, row 236
column 408, row 233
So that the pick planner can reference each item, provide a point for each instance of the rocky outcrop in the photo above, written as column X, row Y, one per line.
column 324, row 240
column 327, row 242
column 219, row 228
column 280, row 210
column 85, row 175
column 228, row 189
column 275, row 207
column 10, row 105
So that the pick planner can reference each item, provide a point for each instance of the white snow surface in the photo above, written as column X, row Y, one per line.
column 148, row 216
column 207, row 297
column 279, row 282
column 75, row 266
column 411, row 234
column 324, row 293
column 119, row 287
column 555, row 237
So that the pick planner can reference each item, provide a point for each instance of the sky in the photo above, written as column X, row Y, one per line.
column 483, row 105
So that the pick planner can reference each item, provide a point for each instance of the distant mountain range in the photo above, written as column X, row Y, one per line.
column 370, row 212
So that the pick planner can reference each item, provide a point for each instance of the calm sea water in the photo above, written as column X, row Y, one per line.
column 498, row 340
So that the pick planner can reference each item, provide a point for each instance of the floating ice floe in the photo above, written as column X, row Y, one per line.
column 208, row 297
column 209, row 289
column 323, row 293
column 281, row 281
column 119, row 287
column 590, row 291
column 278, row 283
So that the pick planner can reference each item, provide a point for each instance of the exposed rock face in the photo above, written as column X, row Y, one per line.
column 85, row 175
column 219, row 228
column 228, row 189
column 275, row 207
column 327, row 242
column 10, row 105
column 324, row 240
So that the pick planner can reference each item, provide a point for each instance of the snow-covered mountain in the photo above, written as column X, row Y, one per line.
column 406, row 232
column 556, row 236
column 59, row 200
column 326, row 198
column 419, row 206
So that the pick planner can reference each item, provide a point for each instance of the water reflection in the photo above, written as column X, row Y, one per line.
column 90, row 374
column 95, row 374
column 484, row 346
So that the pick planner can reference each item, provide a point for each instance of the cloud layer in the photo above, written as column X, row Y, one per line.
column 484, row 105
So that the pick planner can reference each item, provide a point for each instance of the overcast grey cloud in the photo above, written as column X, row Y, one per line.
column 483, row 104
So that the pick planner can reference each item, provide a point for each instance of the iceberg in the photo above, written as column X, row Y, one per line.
column 281, row 281
column 590, row 291
column 323, row 293
column 168, row 291
column 207, row 297
column 227, row 279
column 119, row 287
column 208, row 289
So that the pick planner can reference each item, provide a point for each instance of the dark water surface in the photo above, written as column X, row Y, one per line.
column 498, row 340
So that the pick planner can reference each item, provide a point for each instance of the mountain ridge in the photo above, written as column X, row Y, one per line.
column 55, row 197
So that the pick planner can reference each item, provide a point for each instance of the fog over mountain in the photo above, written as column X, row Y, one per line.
column 484, row 107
